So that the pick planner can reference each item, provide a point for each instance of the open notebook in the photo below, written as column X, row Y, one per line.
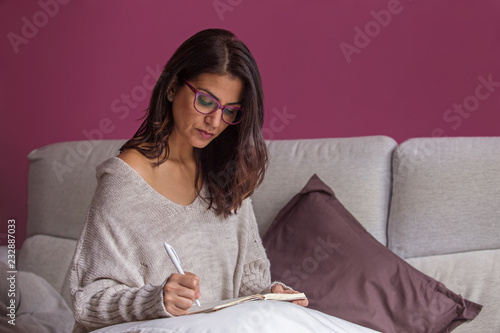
column 235, row 301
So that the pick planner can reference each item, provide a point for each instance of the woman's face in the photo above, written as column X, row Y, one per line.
column 194, row 128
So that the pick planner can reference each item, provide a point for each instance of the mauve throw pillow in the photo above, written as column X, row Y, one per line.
column 316, row 246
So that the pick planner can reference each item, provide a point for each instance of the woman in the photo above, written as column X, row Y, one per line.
column 184, row 178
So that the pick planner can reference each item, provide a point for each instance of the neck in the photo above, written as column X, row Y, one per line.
column 180, row 153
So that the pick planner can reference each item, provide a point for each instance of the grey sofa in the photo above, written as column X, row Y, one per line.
column 433, row 201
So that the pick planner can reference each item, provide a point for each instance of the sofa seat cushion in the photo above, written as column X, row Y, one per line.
column 50, row 258
column 477, row 275
column 38, row 307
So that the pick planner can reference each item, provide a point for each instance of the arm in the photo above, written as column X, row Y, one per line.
column 256, row 276
column 107, row 289
column 257, row 273
column 117, row 276
column 106, row 280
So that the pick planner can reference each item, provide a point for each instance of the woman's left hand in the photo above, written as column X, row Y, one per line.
column 279, row 289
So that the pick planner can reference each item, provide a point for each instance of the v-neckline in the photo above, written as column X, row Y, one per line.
column 155, row 192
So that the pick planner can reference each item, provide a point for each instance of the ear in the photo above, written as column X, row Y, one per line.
column 172, row 88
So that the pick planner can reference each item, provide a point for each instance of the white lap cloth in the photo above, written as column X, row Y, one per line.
column 259, row 316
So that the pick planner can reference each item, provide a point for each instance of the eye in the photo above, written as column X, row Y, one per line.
column 230, row 111
column 205, row 100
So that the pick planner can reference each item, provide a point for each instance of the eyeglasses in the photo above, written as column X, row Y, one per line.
column 206, row 104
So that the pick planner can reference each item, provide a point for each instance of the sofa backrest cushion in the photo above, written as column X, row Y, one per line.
column 61, row 183
column 62, row 180
column 446, row 196
column 357, row 169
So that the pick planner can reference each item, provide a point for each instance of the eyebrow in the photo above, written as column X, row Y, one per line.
column 217, row 98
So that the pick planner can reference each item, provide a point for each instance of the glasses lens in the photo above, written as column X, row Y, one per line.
column 231, row 115
column 205, row 103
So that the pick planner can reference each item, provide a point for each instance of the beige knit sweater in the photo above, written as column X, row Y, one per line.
column 120, row 265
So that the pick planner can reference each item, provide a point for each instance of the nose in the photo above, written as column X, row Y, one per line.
column 215, row 118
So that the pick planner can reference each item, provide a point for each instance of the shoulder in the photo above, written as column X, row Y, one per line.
column 140, row 163
column 119, row 185
column 247, row 204
column 245, row 213
column 120, row 172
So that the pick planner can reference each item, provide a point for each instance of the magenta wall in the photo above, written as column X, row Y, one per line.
column 72, row 70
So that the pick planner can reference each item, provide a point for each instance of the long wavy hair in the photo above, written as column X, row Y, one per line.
column 233, row 165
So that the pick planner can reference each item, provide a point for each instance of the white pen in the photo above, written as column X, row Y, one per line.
column 177, row 263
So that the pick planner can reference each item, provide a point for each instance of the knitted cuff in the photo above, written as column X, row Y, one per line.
column 281, row 283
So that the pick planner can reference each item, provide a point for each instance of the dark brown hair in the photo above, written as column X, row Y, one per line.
column 234, row 163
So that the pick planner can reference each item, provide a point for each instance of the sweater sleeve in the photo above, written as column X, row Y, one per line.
column 107, row 282
column 256, row 270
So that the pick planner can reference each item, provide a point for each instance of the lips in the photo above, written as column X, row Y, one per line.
column 205, row 134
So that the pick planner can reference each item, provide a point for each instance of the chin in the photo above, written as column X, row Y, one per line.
column 202, row 144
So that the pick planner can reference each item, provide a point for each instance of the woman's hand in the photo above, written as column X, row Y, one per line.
column 280, row 289
column 179, row 293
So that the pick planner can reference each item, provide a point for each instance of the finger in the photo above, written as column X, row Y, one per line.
column 177, row 305
column 302, row 302
column 187, row 293
column 190, row 280
column 181, row 304
column 179, row 301
column 185, row 281
column 174, row 310
column 176, row 296
column 172, row 290
column 196, row 281
column 198, row 292
column 289, row 291
column 278, row 289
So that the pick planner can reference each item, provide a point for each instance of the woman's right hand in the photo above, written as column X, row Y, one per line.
column 179, row 293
